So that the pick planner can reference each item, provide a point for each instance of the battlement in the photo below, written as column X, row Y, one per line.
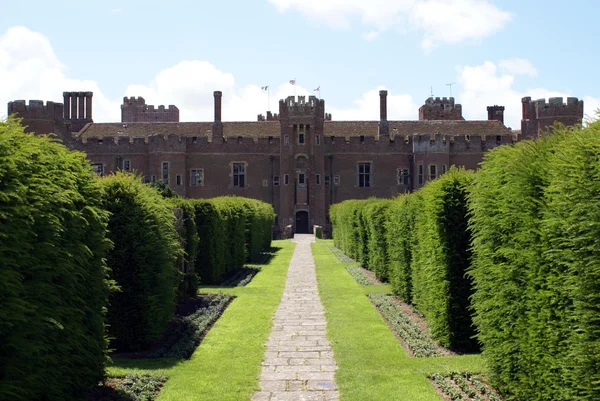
column 36, row 110
column 270, row 117
column 440, row 109
column 135, row 109
column 302, row 107
column 140, row 101
column 539, row 115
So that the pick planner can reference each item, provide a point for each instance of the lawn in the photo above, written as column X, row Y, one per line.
column 372, row 363
column 227, row 364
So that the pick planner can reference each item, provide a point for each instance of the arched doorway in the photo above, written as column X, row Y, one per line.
column 302, row 222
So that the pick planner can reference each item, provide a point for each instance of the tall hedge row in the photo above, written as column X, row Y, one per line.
column 232, row 230
column 376, row 214
column 536, row 229
column 401, row 240
column 53, row 285
column 188, row 237
column 441, row 257
column 142, row 262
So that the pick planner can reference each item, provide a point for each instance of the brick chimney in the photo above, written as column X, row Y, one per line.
column 218, row 96
column 384, row 129
column 496, row 112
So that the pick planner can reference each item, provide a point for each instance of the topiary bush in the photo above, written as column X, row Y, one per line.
column 142, row 227
column 53, row 284
column 441, row 258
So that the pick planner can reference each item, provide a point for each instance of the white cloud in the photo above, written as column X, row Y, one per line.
column 440, row 21
column 399, row 107
column 518, row 66
column 29, row 69
column 490, row 84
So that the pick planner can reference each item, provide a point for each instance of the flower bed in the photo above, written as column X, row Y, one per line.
column 132, row 387
column 464, row 387
column 418, row 343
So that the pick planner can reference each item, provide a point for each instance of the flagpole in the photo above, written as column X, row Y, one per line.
column 294, row 89
column 268, row 99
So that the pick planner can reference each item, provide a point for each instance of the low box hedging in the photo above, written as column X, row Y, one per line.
column 441, row 258
column 142, row 262
column 400, row 239
column 53, row 285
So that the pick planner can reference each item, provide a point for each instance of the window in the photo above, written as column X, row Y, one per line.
column 336, row 180
column 317, row 140
column 165, row 172
column 196, row 177
column 301, row 179
column 265, row 182
column 153, row 178
column 270, row 140
column 362, row 139
column 275, row 180
column 402, row 176
column 326, row 180
column 444, row 168
column 194, row 139
column 240, row 139
column 332, row 139
column 420, row 174
column 286, row 140
column 178, row 179
column 301, row 135
column 98, row 168
column 239, row 175
column 318, row 179
column 432, row 172
column 364, row 175
column 286, row 179
column 126, row 165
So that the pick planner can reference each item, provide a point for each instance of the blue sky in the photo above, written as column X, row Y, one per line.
column 178, row 52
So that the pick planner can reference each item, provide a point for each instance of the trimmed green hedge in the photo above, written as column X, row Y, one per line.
column 376, row 214
column 441, row 257
column 188, row 237
column 537, row 265
column 142, row 227
column 401, row 240
column 53, row 285
column 232, row 230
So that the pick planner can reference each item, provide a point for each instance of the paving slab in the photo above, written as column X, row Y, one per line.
column 299, row 364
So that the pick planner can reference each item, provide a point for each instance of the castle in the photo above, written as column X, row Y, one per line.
column 299, row 160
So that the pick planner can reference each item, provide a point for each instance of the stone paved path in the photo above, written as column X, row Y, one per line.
column 299, row 362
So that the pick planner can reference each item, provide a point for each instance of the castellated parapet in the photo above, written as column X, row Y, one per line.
column 313, row 107
column 135, row 109
column 39, row 117
column 539, row 115
column 440, row 109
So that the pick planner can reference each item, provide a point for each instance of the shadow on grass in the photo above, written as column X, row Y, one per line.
column 144, row 363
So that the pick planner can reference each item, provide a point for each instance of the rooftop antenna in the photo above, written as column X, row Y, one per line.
column 432, row 91
column 450, row 85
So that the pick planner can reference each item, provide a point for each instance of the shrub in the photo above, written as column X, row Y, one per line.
column 233, row 218
column 376, row 214
column 188, row 281
column 441, row 257
column 53, row 285
column 400, row 243
column 210, row 259
column 142, row 227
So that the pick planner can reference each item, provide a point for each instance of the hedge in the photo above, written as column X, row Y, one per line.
column 536, row 266
column 188, row 238
column 53, row 285
column 231, row 231
column 376, row 215
column 400, row 243
column 441, row 257
column 142, row 227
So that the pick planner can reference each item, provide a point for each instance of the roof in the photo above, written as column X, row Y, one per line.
column 272, row 128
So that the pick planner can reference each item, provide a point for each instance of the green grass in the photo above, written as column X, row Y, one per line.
column 227, row 364
column 372, row 363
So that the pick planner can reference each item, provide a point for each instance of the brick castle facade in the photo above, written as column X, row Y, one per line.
column 299, row 160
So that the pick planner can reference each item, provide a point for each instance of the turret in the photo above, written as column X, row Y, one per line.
column 539, row 115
